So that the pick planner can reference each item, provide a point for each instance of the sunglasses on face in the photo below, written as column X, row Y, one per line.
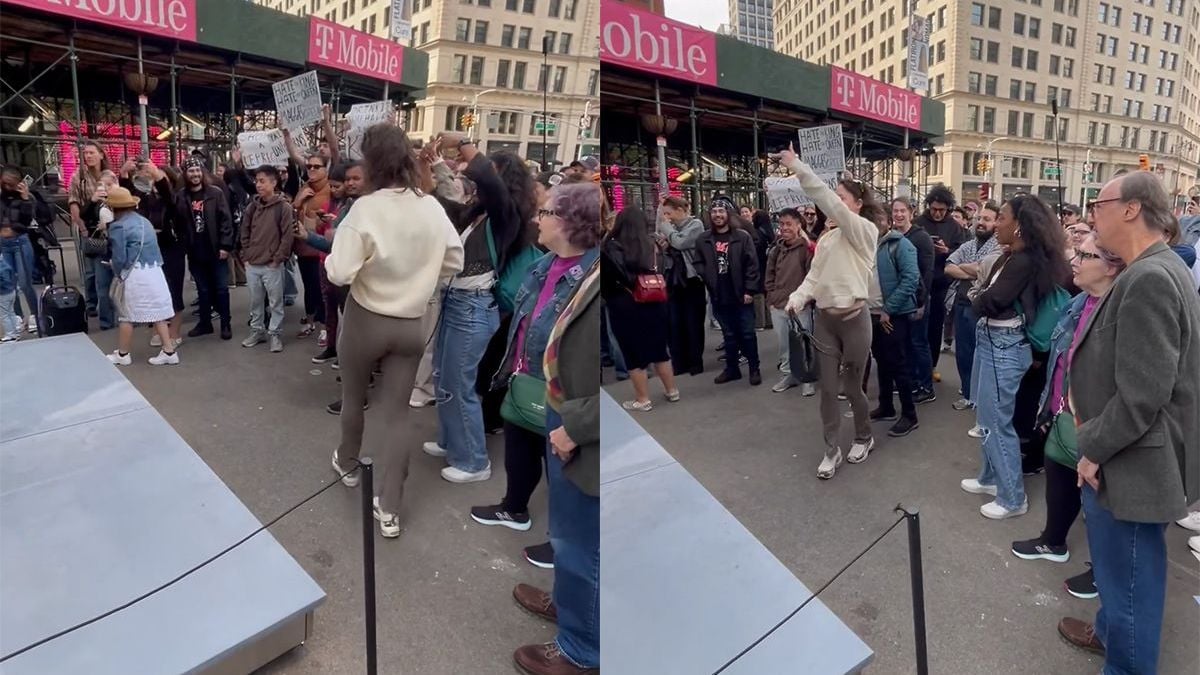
column 810, row 214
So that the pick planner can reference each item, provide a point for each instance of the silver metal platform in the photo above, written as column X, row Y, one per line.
column 100, row 502
column 684, row 586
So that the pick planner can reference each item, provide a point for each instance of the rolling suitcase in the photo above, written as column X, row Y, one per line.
column 62, row 310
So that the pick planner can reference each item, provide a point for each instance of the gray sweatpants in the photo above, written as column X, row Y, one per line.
column 843, row 348
column 423, row 391
column 367, row 338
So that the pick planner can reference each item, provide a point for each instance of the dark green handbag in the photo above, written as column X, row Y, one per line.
column 1062, row 445
column 525, row 403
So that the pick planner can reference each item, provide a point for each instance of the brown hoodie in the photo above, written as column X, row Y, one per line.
column 786, row 268
column 267, row 231
column 308, row 214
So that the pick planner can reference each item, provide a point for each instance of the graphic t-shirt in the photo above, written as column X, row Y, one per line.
column 201, row 244
column 725, row 290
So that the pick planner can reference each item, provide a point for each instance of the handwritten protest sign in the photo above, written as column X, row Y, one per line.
column 361, row 117
column 784, row 192
column 261, row 148
column 822, row 148
column 298, row 100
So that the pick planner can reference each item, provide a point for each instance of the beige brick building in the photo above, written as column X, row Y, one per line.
column 485, row 56
column 1126, row 74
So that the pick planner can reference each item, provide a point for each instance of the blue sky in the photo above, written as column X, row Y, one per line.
column 704, row 13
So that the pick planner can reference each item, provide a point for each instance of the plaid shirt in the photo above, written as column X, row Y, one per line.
column 971, row 252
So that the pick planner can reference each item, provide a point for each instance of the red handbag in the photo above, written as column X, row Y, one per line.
column 650, row 287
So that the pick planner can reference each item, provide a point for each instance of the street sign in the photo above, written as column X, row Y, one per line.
column 539, row 127
column 1051, row 172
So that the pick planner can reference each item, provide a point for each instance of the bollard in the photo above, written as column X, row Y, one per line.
column 918, row 589
column 368, row 515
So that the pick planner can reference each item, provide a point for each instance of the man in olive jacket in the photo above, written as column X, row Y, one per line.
column 1135, row 394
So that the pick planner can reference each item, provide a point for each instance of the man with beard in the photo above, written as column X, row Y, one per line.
column 963, row 265
column 947, row 236
column 205, row 208
column 726, row 259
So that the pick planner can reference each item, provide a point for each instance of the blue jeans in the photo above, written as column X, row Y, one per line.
column 737, row 328
column 1002, row 357
column 1130, row 564
column 575, row 537
column 469, row 320
column 918, row 352
column 18, row 251
column 289, row 280
column 10, row 323
column 964, row 345
column 609, row 347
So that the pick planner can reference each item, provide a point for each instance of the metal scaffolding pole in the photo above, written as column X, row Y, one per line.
column 233, row 104
column 75, row 90
column 696, row 173
column 757, row 168
column 174, row 113
column 142, row 101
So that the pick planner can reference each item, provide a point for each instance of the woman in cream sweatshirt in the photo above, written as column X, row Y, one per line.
column 838, row 285
column 391, row 250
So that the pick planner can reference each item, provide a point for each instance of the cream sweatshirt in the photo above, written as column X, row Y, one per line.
column 845, row 260
column 392, row 249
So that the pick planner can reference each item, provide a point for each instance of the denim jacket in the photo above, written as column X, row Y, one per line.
column 1060, row 343
column 538, row 332
column 133, row 240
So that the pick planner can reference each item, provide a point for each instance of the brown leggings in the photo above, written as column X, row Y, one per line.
column 843, row 348
column 367, row 338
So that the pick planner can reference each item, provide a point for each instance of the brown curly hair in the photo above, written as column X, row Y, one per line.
column 389, row 160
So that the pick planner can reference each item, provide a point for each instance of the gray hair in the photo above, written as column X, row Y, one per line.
column 1146, row 189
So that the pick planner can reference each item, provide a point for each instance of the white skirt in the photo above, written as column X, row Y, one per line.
column 147, row 297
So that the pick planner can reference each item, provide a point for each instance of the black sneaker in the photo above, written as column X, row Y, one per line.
column 335, row 365
column 727, row 376
column 541, row 556
column 497, row 515
column 226, row 331
column 335, row 408
column 200, row 329
column 325, row 356
column 1037, row 549
column 880, row 415
column 903, row 427
column 925, row 396
column 1083, row 585
column 755, row 377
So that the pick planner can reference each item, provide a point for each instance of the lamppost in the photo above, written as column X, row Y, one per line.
column 475, row 112
column 545, row 99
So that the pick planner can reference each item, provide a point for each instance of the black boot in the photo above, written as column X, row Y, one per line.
column 226, row 331
column 201, row 328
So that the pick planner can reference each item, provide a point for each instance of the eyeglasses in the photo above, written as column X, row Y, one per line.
column 1084, row 255
column 1093, row 204
column 542, row 213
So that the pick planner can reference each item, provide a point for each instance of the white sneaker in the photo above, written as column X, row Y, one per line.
column 859, row 451
column 976, row 488
column 32, row 324
column 350, row 479
column 459, row 476
column 808, row 389
column 276, row 344
column 389, row 523
column 1194, row 544
column 829, row 465
column 164, row 359
column 1191, row 522
column 418, row 403
column 116, row 359
column 976, row 432
column 155, row 341
column 996, row 512
column 432, row 449
column 253, row 339
column 963, row 404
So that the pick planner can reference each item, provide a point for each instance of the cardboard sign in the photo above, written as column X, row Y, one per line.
column 298, row 100
column 822, row 148
column 262, row 148
column 361, row 117
column 784, row 192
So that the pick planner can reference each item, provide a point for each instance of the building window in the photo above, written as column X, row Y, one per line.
column 977, row 49
column 543, row 76
column 593, row 86
column 976, row 14
column 555, row 8
column 459, row 73
column 1018, row 57
column 989, row 85
column 989, row 120
column 504, row 123
column 973, row 83
column 523, row 37
column 1027, row 125
column 993, row 52
column 528, row 6
column 1019, row 24
column 564, row 43
column 972, row 118
column 1055, row 62
column 462, row 30
column 519, row 75
column 1030, row 91
column 454, row 115
column 476, row 70
column 572, row 5
column 1014, row 121
column 560, row 79
column 994, row 17
column 502, row 71
column 481, row 31
column 548, row 40
column 506, row 35
column 1031, row 60
column 1014, row 90
column 1068, row 69
column 1035, row 28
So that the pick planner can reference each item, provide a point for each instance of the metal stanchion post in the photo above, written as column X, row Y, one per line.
column 918, row 589
column 368, row 520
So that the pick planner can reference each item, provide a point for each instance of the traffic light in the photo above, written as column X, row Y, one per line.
column 467, row 120
column 1144, row 162
column 981, row 166
column 985, row 192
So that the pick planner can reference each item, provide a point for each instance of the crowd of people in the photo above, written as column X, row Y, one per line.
column 471, row 284
column 1074, row 335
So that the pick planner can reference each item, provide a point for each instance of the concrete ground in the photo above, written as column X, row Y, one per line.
column 987, row 611
column 259, row 421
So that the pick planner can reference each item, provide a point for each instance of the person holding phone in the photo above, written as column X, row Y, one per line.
column 16, row 218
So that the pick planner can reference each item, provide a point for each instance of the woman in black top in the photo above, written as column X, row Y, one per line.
column 640, row 327
column 1028, row 272
column 764, row 238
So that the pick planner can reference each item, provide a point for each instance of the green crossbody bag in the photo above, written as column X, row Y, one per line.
column 1062, row 444
column 525, row 403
